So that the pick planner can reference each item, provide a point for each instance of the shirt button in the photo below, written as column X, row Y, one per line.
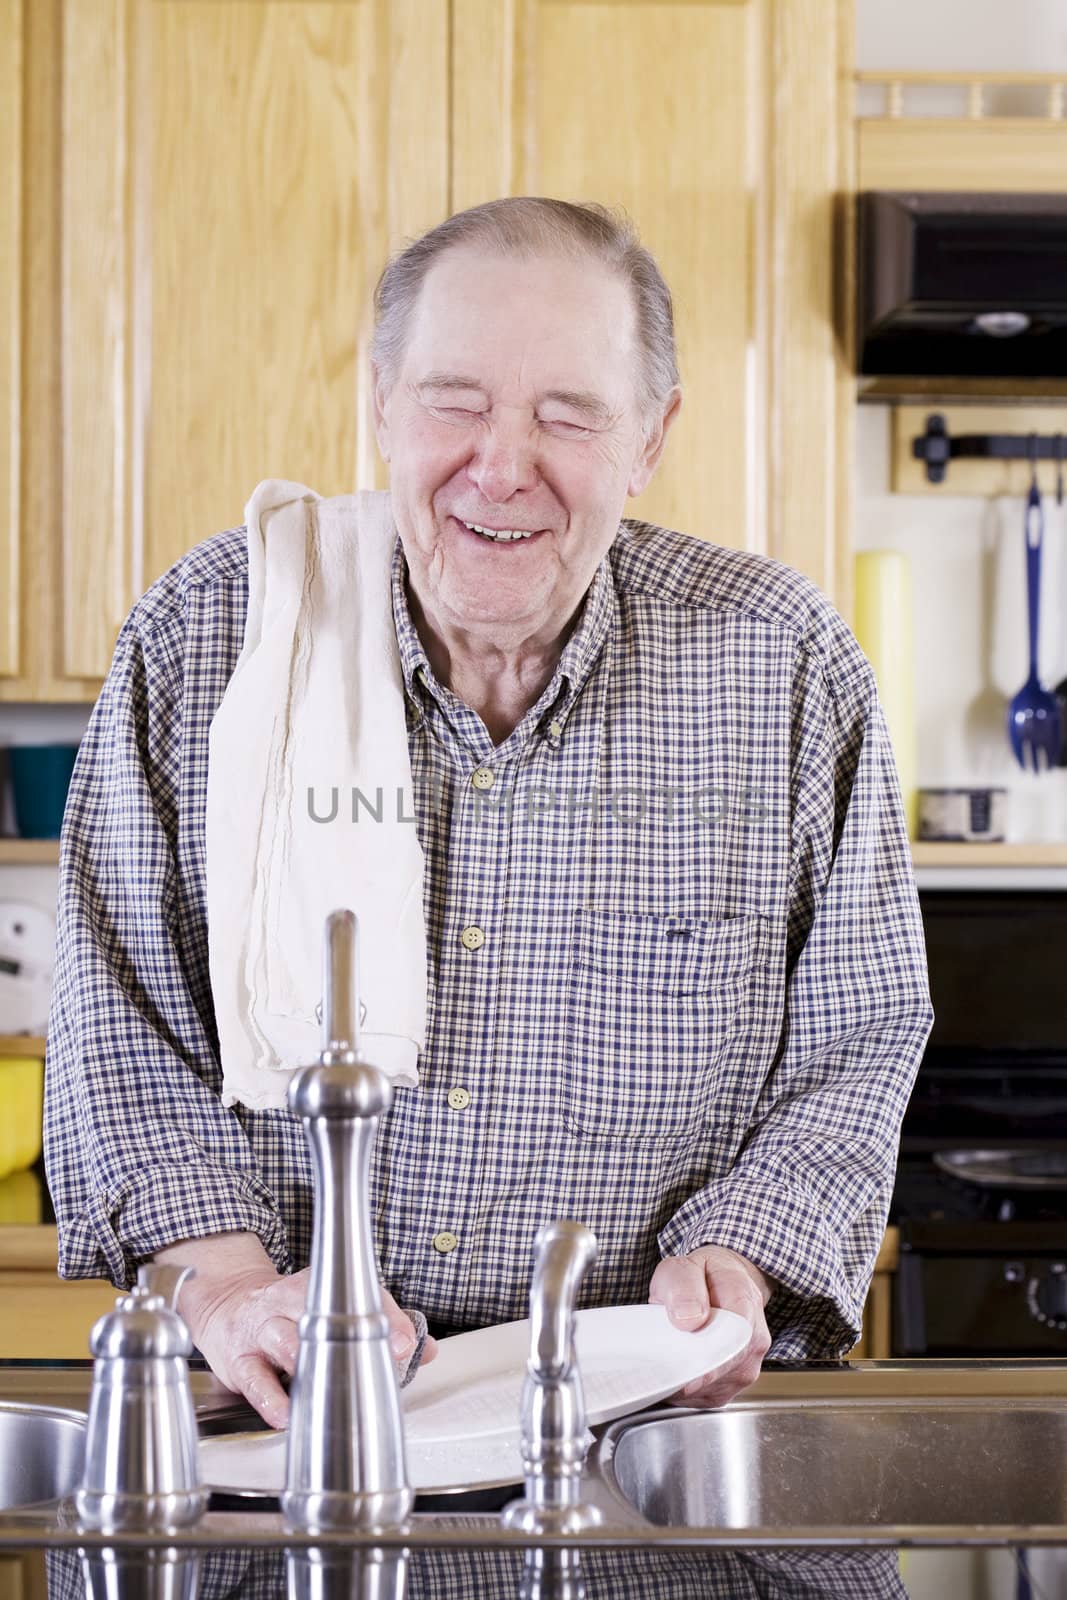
column 444, row 1242
column 556, row 729
column 459, row 1099
column 472, row 938
column 483, row 778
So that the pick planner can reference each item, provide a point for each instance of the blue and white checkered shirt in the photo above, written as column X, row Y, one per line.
column 677, row 985
column 453, row 1574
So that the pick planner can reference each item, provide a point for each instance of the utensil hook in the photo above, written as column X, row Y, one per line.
column 1033, row 500
column 1032, row 452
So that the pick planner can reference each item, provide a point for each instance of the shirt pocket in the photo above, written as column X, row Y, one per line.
column 654, row 1004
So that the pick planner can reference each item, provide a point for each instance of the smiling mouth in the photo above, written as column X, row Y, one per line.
column 499, row 535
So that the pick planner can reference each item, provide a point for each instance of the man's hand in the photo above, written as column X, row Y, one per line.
column 243, row 1317
column 689, row 1287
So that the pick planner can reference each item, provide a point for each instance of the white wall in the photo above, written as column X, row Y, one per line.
column 967, row 553
column 968, row 566
column 961, row 35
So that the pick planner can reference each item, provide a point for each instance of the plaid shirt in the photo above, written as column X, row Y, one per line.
column 677, row 985
column 496, row 1575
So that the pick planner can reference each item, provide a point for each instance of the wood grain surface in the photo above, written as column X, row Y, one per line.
column 1020, row 155
column 11, row 80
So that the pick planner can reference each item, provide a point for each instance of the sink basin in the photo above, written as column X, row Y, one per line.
column 41, row 1450
column 865, row 1466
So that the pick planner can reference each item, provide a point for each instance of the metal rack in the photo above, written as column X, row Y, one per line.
column 937, row 447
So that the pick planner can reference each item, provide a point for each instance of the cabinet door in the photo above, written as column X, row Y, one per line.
column 718, row 125
column 11, row 48
column 228, row 181
column 49, row 1320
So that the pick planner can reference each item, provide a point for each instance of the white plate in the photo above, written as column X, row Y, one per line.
column 628, row 1356
column 254, row 1464
column 461, row 1413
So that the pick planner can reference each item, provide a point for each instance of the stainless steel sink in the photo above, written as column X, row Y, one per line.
column 866, row 1466
column 41, row 1451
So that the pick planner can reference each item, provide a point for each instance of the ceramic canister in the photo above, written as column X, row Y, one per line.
column 883, row 626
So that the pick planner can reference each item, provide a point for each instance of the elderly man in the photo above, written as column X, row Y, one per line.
column 697, row 998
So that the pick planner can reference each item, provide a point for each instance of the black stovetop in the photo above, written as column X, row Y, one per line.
column 924, row 1193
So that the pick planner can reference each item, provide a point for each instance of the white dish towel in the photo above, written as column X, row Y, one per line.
column 315, row 705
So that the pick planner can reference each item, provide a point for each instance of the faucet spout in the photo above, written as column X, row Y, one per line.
column 554, row 1436
column 563, row 1251
column 345, row 1460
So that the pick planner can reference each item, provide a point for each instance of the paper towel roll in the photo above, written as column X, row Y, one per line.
column 883, row 626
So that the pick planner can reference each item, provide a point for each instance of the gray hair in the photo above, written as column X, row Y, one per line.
column 529, row 225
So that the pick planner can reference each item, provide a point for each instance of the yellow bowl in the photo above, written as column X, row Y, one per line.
column 21, row 1108
column 21, row 1200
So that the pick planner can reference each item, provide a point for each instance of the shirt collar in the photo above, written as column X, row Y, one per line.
column 583, row 648
column 412, row 655
column 575, row 664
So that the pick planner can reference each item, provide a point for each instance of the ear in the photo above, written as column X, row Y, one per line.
column 379, row 395
column 646, row 462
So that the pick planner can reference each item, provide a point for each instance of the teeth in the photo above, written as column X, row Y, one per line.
column 500, row 533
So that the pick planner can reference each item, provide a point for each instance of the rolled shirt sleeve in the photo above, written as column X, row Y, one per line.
column 808, row 1197
column 139, row 1151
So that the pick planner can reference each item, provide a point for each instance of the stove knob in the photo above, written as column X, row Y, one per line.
column 1046, row 1297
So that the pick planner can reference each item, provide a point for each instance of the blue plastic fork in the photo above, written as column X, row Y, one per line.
column 1034, row 722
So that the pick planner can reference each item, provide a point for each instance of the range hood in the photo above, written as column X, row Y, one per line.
column 962, row 285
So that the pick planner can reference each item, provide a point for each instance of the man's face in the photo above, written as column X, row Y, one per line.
column 514, row 409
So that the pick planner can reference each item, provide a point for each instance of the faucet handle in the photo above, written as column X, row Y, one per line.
column 340, row 1085
column 163, row 1282
column 340, row 986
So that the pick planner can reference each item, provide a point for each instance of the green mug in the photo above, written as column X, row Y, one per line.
column 40, row 778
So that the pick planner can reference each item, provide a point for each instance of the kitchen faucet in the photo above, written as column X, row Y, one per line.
column 554, row 1437
column 345, row 1460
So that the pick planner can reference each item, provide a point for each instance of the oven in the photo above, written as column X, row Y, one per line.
column 981, row 1190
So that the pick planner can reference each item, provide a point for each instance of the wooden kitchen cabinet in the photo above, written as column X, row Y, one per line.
column 41, row 1316
column 724, row 127
column 24, row 1577
column 876, row 1339
column 197, row 200
column 207, row 194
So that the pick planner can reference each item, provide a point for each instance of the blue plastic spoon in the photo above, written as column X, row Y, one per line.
column 1034, row 721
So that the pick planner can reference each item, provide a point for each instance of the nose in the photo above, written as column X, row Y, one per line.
column 504, row 460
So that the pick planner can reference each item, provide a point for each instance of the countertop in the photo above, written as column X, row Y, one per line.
column 451, row 1523
column 67, row 1383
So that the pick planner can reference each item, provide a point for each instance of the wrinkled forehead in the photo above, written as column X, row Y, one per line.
column 564, row 319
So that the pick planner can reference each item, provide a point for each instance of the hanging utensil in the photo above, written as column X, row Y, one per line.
column 1034, row 720
column 1059, row 451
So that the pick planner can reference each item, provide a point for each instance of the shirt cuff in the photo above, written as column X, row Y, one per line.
column 816, row 1309
column 161, row 1206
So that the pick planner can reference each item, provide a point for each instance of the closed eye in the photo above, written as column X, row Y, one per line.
column 565, row 427
column 463, row 414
